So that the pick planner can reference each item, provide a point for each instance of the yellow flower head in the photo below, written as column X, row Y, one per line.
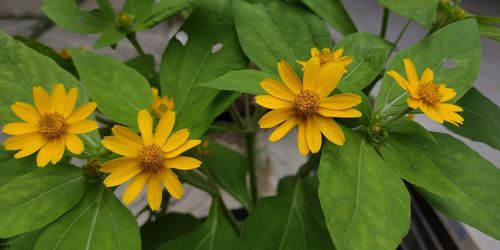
column 307, row 105
column 149, row 159
column 325, row 57
column 49, row 127
column 161, row 105
column 428, row 96
column 64, row 53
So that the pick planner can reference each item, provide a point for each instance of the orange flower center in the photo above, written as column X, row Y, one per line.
column 429, row 92
column 151, row 157
column 306, row 103
column 325, row 56
column 52, row 125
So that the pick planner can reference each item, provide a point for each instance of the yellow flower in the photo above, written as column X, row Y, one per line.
column 149, row 159
column 307, row 105
column 325, row 57
column 64, row 53
column 161, row 105
column 50, row 126
column 427, row 96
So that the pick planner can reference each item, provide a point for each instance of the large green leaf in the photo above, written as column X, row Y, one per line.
column 158, row 12
column 37, row 198
column 479, row 112
column 229, row 169
column 166, row 228
column 120, row 92
column 245, row 81
column 407, row 126
column 23, row 68
column 366, row 204
column 270, row 31
column 453, row 52
column 334, row 13
column 475, row 199
column 24, row 241
column 288, row 220
column 99, row 221
column 12, row 168
column 214, row 233
column 422, row 11
column 368, row 53
column 184, row 66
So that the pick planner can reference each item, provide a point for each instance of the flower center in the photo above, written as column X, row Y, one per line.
column 162, row 108
column 151, row 157
column 306, row 103
column 325, row 57
column 429, row 92
column 52, row 125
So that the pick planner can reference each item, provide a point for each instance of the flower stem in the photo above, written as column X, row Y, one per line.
column 309, row 166
column 250, row 150
column 235, row 114
column 397, row 116
column 385, row 19
column 197, row 181
column 133, row 39
column 400, row 36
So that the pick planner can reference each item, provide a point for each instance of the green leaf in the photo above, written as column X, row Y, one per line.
column 99, row 221
column 37, row 198
column 271, row 31
column 214, row 233
column 489, row 30
column 229, row 169
column 126, row 91
column 334, row 13
column 453, row 53
column 479, row 112
column 407, row 126
column 138, row 8
column 288, row 220
column 477, row 203
column 158, row 12
column 422, row 11
column 166, row 228
column 24, row 241
column 245, row 81
column 183, row 67
column 23, row 68
column 139, row 64
column 12, row 168
column 110, row 37
column 365, row 203
column 369, row 53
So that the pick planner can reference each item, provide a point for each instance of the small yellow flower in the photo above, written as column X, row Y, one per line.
column 307, row 105
column 64, row 53
column 427, row 96
column 49, row 127
column 325, row 57
column 161, row 105
column 149, row 159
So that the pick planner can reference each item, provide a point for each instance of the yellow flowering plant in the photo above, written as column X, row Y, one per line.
column 101, row 153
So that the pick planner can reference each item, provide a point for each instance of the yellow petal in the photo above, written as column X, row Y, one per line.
column 313, row 135
column 122, row 174
column 58, row 150
column 46, row 152
column 450, row 107
column 58, row 98
column 135, row 187
column 284, row 128
column 340, row 101
column 183, row 148
column 182, row 163
column 70, row 102
column 111, row 165
column 42, row 100
column 275, row 117
column 329, row 78
column 341, row 113
column 447, row 94
column 19, row 141
column 301, row 139
column 449, row 115
column 331, row 130
column 81, row 112
column 411, row 72
column 73, row 143
column 127, row 134
column 81, row 127
column 315, row 52
column 154, row 192
column 345, row 60
column 26, row 112
column 164, row 128
column 277, row 90
column 35, row 143
column 338, row 53
column 413, row 103
column 120, row 146
column 431, row 112
column 145, row 123
column 176, row 139
column 427, row 76
column 171, row 183
column 271, row 102
column 288, row 76
column 311, row 74
column 19, row 128
column 399, row 79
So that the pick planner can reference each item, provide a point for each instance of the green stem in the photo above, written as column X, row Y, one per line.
column 400, row 35
column 309, row 166
column 385, row 19
column 397, row 116
column 133, row 39
column 236, row 116
column 197, row 182
column 231, row 217
column 250, row 150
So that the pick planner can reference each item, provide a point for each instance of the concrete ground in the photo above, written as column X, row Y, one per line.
column 20, row 17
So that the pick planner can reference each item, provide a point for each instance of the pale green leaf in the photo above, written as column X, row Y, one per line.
column 407, row 126
column 334, row 13
column 422, row 11
column 245, row 81
column 158, row 11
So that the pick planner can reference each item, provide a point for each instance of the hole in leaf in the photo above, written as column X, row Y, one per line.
column 449, row 63
column 217, row 47
column 182, row 37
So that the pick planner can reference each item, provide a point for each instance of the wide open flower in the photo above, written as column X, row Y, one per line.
column 307, row 105
column 160, row 105
column 49, row 127
column 325, row 57
column 149, row 159
column 427, row 96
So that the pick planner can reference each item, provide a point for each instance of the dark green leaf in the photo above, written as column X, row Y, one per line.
column 422, row 11
column 167, row 228
column 12, row 168
column 24, row 241
column 407, row 126
column 37, row 198
column 482, row 119
column 99, row 221
column 126, row 91
column 453, row 53
column 159, row 11
column 109, row 37
column 138, row 63
column 288, row 220
column 365, row 203
column 278, row 30
column 245, row 81
column 334, row 13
